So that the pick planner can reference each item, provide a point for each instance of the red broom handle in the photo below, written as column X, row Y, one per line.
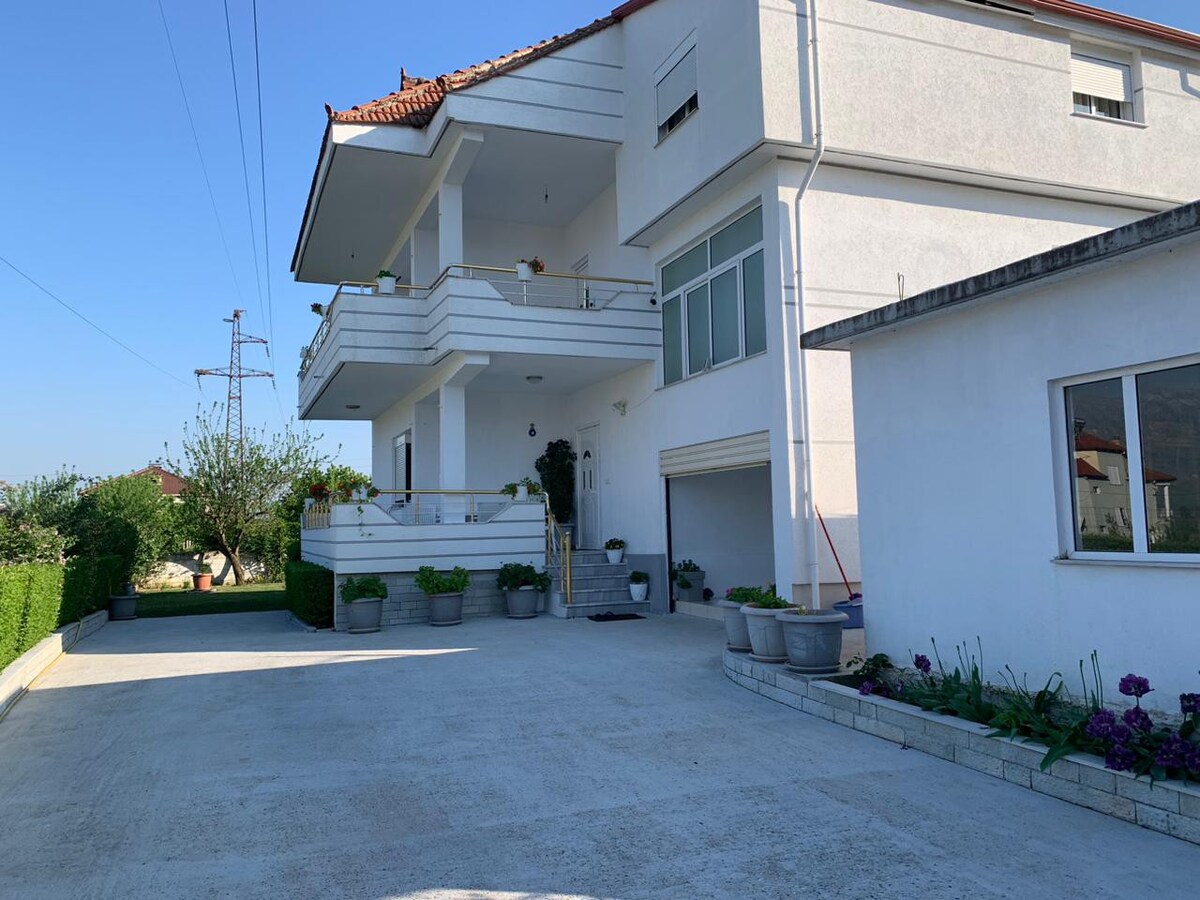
column 845, row 580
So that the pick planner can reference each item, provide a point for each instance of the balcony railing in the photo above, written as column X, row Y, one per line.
column 551, row 290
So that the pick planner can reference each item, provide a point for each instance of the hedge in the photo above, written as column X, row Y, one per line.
column 309, row 589
column 87, row 583
column 30, row 599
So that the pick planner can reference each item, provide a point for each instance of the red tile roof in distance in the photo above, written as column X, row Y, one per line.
column 1087, row 441
column 1084, row 469
column 418, row 99
column 172, row 484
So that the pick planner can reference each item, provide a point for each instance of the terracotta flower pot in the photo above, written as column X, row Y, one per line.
column 202, row 581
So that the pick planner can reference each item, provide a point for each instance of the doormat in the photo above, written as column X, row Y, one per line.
column 615, row 617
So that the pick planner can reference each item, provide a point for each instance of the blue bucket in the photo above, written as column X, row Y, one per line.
column 852, row 608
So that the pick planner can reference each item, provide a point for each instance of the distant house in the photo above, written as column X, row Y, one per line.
column 170, row 483
column 1081, row 366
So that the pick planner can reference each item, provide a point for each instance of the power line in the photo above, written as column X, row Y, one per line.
column 262, row 171
column 199, row 153
column 78, row 314
column 237, row 102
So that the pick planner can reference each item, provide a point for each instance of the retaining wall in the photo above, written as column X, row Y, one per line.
column 25, row 669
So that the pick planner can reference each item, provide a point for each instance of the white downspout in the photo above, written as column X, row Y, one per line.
column 810, row 515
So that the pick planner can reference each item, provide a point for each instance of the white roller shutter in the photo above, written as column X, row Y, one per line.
column 677, row 86
column 715, row 456
column 1102, row 78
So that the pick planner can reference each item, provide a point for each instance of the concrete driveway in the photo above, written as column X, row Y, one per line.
column 230, row 756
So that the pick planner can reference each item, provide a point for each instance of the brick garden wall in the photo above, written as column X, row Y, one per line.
column 406, row 605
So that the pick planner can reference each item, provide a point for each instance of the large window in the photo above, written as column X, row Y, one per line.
column 1146, row 421
column 715, row 311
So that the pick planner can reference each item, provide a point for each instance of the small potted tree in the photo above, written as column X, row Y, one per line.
column 385, row 282
column 556, row 468
column 737, row 635
column 813, row 639
column 766, row 631
column 445, row 593
column 639, row 586
column 522, row 585
column 689, row 580
column 364, row 603
column 202, row 578
column 614, row 548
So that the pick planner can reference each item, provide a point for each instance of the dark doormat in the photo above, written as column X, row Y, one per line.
column 615, row 617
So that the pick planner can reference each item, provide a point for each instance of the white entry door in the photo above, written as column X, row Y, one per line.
column 588, row 476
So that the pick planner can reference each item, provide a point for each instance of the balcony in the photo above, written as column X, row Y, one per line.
column 382, row 345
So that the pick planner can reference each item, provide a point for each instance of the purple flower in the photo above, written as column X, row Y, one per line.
column 1175, row 752
column 1121, row 734
column 1100, row 725
column 866, row 688
column 921, row 661
column 1120, row 758
column 1194, row 761
column 1134, row 686
column 1138, row 719
column 1189, row 704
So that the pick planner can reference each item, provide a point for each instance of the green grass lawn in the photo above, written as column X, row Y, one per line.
column 222, row 599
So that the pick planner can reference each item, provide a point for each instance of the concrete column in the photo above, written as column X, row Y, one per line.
column 452, row 419
column 450, row 225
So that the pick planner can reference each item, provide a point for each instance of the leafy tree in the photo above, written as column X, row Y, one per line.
column 28, row 542
column 127, row 517
column 50, row 501
column 233, row 490
column 556, row 468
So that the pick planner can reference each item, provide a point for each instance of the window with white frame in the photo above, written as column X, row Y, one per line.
column 1145, row 420
column 1102, row 84
column 676, row 95
column 714, row 311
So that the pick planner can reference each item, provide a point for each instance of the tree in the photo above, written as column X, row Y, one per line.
column 233, row 489
column 49, row 501
column 556, row 468
column 127, row 516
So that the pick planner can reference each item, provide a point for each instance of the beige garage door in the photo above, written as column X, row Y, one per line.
column 716, row 456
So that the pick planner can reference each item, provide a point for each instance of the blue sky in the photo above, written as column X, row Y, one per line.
column 105, row 204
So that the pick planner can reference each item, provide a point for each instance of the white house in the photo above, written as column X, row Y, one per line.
column 998, row 420
column 704, row 182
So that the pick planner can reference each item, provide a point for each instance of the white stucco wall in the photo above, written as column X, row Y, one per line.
column 956, row 546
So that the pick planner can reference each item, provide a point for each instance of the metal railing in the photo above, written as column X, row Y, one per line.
column 420, row 507
column 558, row 553
column 552, row 290
column 316, row 515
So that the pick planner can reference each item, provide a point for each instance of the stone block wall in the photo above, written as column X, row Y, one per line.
column 407, row 605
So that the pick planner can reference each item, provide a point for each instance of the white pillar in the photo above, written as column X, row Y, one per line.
column 452, row 419
column 450, row 225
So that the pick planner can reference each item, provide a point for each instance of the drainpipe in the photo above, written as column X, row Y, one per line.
column 805, row 421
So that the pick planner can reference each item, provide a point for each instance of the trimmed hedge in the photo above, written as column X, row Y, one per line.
column 87, row 583
column 309, row 590
column 30, row 599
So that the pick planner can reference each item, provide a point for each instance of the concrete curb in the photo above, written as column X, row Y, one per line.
column 27, row 668
column 1170, row 807
column 296, row 623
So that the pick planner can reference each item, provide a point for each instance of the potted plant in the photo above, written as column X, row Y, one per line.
column 639, row 586
column 318, row 308
column 689, row 579
column 556, row 468
column 385, row 282
column 766, row 631
column 737, row 635
column 527, row 268
column 522, row 584
column 364, row 603
column 813, row 640
column 202, row 579
column 123, row 607
column 445, row 593
column 319, row 491
column 614, row 548
column 522, row 490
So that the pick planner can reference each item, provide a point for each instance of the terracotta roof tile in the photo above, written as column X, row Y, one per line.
column 1084, row 469
column 1085, row 440
column 419, row 98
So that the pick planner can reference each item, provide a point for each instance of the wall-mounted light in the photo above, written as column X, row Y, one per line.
column 534, row 379
column 620, row 406
column 532, row 430
column 353, row 406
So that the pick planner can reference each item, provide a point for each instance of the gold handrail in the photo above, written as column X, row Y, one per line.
column 553, row 529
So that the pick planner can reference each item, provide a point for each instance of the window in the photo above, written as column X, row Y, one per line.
column 676, row 94
column 715, row 309
column 1147, row 421
column 1102, row 86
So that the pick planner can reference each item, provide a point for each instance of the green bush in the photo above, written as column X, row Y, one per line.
column 30, row 597
column 309, row 589
column 433, row 582
column 87, row 583
column 369, row 587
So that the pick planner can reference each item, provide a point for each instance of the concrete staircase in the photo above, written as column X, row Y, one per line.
column 598, row 586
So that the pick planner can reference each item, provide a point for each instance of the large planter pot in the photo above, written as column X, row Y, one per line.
column 522, row 603
column 445, row 609
column 737, row 636
column 122, row 607
column 695, row 593
column 813, row 641
column 386, row 285
column 364, row 615
column 853, row 609
column 766, row 635
column 202, row 581
column 638, row 592
column 614, row 556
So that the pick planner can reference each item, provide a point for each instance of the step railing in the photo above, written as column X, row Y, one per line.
column 558, row 552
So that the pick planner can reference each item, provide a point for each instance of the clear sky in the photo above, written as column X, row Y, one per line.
column 104, row 201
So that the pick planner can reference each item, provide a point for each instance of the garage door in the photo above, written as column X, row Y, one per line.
column 715, row 456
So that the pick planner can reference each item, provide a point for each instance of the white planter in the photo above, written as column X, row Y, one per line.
column 766, row 635
column 614, row 556
column 638, row 592
column 737, row 635
column 385, row 285
column 522, row 493
column 524, row 271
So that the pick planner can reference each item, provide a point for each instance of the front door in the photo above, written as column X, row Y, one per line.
column 588, row 520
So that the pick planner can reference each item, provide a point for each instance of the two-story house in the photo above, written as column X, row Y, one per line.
column 704, row 182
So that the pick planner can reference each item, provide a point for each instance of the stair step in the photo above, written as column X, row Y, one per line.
column 586, row 582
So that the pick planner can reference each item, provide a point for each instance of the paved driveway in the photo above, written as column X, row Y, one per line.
column 228, row 756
